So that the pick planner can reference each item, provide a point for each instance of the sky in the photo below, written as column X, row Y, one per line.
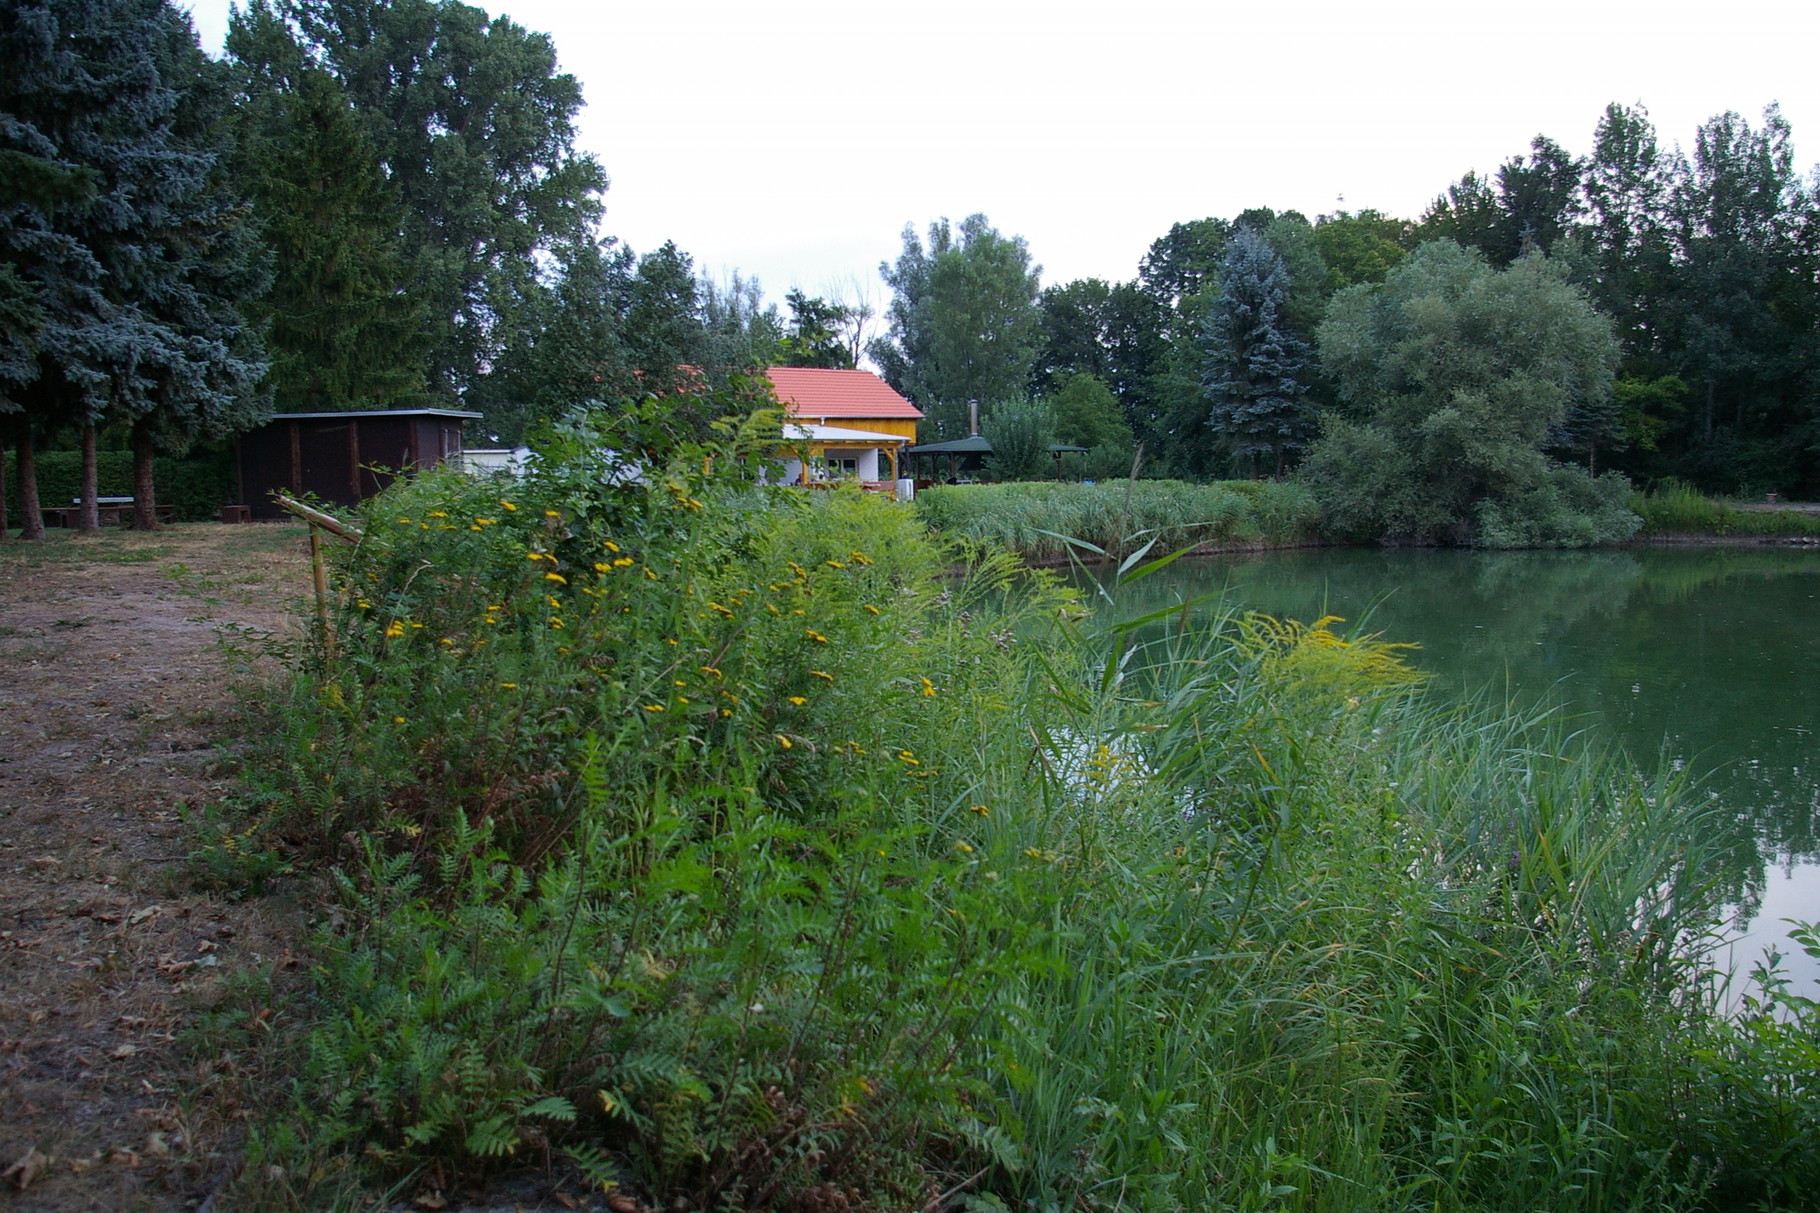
column 792, row 140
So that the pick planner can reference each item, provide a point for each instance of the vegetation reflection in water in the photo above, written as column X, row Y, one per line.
column 1707, row 657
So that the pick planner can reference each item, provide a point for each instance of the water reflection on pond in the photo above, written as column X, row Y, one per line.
column 1709, row 656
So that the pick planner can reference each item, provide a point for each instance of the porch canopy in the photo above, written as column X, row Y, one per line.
column 805, row 440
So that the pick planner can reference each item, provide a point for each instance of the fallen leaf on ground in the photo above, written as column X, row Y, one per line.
column 29, row 1166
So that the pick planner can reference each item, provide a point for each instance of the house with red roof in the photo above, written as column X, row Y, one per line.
column 841, row 424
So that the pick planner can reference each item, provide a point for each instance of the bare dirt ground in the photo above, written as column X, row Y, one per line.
column 128, row 993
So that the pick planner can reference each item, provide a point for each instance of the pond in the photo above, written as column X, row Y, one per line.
column 1706, row 657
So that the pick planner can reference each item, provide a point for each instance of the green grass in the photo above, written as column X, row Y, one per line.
column 1675, row 508
column 709, row 837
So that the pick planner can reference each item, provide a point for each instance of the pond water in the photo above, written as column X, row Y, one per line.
column 1709, row 657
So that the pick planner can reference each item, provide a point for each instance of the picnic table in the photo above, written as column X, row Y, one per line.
column 111, row 511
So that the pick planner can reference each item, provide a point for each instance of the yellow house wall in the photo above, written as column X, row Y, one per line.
column 903, row 427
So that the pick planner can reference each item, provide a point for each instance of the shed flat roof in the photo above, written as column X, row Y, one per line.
column 465, row 416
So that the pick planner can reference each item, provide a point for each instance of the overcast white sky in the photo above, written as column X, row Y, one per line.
column 793, row 139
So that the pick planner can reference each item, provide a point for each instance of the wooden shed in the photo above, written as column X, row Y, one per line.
column 341, row 457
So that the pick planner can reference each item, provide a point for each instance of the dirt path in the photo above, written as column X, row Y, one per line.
column 127, row 994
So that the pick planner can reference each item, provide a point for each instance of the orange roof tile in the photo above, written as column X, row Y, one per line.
column 813, row 392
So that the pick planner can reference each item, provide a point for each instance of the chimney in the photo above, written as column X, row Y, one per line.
column 973, row 419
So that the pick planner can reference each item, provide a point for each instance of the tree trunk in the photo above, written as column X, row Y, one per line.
column 145, row 509
column 88, row 512
column 31, row 525
column 3, row 519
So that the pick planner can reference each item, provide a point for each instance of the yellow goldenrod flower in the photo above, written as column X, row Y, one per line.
column 823, row 676
column 363, row 604
column 909, row 759
column 710, row 671
column 394, row 630
column 555, row 623
column 654, row 707
column 435, row 514
column 404, row 522
column 558, row 578
column 814, row 635
column 485, row 521
column 782, row 740
column 677, row 682
column 859, row 558
column 796, row 568
column 797, row 700
column 552, row 513
column 928, row 689
column 772, row 609
column 720, row 610
column 475, row 527
column 868, row 608
column 610, row 546
column 508, row 507
column 508, row 686
column 980, row 809
column 834, row 564
column 626, row 562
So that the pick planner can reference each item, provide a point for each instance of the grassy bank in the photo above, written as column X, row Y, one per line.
column 1031, row 518
column 1675, row 510
column 708, row 838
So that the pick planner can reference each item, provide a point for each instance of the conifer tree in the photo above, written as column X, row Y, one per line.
column 345, row 328
column 1252, row 363
column 138, row 282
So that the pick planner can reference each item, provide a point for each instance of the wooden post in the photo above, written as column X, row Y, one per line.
column 322, row 594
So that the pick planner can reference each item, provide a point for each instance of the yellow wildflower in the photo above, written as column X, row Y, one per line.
column 654, row 707
column 782, row 740
column 508, row 686
column 394, row 630
column 797, row 700
column 558, row 578
column 980, row 809
column 508, row 507
column 823, row 676
column 928, row 689
column 814, row 635
column 868, row 608
column 610, row 546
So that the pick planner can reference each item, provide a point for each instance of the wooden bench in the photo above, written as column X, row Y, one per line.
column 109, row 511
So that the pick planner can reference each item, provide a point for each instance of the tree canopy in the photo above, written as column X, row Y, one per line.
column 1451, row 377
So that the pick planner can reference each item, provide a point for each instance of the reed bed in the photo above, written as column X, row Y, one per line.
column 1037, row 519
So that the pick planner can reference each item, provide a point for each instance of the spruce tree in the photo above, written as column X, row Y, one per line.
column 1252, row 363
column 138, row 283
column 343, row 321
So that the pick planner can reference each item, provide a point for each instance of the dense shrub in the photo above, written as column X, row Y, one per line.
column 706, row 835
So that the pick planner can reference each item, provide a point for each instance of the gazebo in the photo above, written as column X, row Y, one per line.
column 973, row 449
